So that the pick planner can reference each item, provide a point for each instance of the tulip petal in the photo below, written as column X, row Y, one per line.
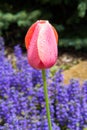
column 33, row 57
column 29, row 35
column 47, row 45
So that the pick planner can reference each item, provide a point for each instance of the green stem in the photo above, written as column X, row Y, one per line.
column 46, row 99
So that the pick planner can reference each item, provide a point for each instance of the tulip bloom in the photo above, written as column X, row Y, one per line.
column 41, row 43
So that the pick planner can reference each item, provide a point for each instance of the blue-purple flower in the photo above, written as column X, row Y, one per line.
column 22, row 103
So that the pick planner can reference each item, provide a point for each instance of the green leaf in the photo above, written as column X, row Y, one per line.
column 84, row 128
column 81, row 9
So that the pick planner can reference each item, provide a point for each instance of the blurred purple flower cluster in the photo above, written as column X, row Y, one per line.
column 22, row 105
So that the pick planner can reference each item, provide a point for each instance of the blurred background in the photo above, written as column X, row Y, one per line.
column 68, row 16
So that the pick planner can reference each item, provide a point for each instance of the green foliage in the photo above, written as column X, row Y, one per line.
column 82, row 7
column 77, row 43
column 68, row 17
column 53, row 70
column 22, row 18
column 85, row 129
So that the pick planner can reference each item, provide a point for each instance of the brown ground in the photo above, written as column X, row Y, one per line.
column 78, row 71
column 74, row 65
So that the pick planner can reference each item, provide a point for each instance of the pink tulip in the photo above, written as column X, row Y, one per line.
column 41, row 43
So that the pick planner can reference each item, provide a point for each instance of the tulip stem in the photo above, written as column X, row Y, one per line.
column 46, row 99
